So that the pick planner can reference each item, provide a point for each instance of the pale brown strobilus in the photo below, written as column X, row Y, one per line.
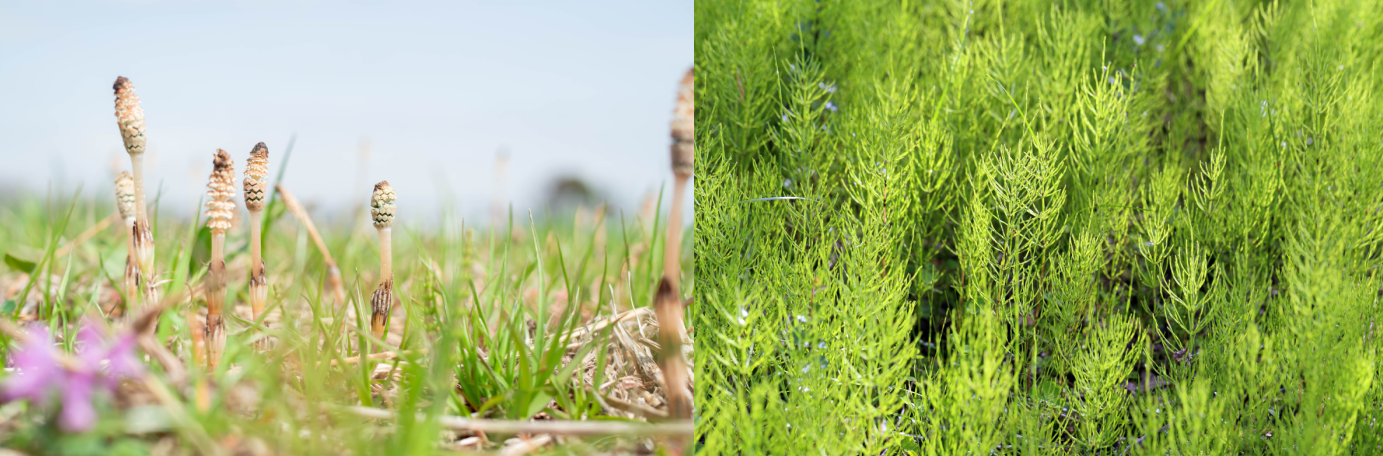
column 220, row 208
column 130, row 118
column 382, row 301
column 125, row 203
column 668, row 301
column 256, row 189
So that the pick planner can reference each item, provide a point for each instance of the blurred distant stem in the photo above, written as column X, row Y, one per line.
column 672, row 253
column 668, row 305
column 334, row 282
column 215, row 300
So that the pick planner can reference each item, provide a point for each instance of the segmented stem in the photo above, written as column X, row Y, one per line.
column 259, row 284
column 215, row 300
column 382, row 213
column 220, row 209
column 256, row 188
column 382, row 301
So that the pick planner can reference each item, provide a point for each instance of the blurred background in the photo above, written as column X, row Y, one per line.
column 467, row 105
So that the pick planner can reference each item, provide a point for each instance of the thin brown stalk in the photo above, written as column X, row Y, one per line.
column 681, row 428
column 382, row 301
column 377, row 356
column 197, row 329
column 333, row 272
column 220, row 208
column 637, row 409
column 85, row 235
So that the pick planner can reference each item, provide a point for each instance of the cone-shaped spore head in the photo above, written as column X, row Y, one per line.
column 220, row 188
column 129, row 116
column 256, row 178
column 124, row 196
column 382, row 205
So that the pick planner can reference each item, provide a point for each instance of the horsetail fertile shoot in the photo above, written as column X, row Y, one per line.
column 382, row 211
column 256, row 188
column 220, row 189
column 668, row 301
column 125, row 203
column 130, row 118
column 683, row 156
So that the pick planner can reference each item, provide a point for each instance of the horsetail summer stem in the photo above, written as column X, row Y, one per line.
column 220, row 189
column 382, row 212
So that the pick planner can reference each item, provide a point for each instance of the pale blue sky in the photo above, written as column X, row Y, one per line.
column 436, row 87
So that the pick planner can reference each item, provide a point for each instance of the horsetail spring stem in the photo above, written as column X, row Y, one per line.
column 130, row 117
column 125, row 203
column 256, row 186
column 382, row 212
column 668, row 301
column 683, row 156
column 220, row 189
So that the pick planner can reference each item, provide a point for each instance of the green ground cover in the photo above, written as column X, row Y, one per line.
column 1039, row 227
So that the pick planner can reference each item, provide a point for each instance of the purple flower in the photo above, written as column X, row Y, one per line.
column 43, row 372
column 38, row 369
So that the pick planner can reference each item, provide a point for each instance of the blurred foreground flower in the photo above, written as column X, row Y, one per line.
column 44, row 370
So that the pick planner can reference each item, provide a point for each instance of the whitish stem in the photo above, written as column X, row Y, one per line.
column 259, row 284
column 137, row 163
column 215, row 300
column 143, row 244
column 672, row 251
column 258, row 287
column 383, row 299
column 386, row 256
column 131, row 269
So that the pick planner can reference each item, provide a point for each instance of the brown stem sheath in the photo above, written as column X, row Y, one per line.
column 215, row 300
column 383, row 299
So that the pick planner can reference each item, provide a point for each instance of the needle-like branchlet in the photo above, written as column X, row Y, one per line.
column 220, row 189
column 256, row 188
column 130, row 118
column 382, row 212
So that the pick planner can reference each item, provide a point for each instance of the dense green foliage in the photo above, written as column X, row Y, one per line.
column 1039, row 227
